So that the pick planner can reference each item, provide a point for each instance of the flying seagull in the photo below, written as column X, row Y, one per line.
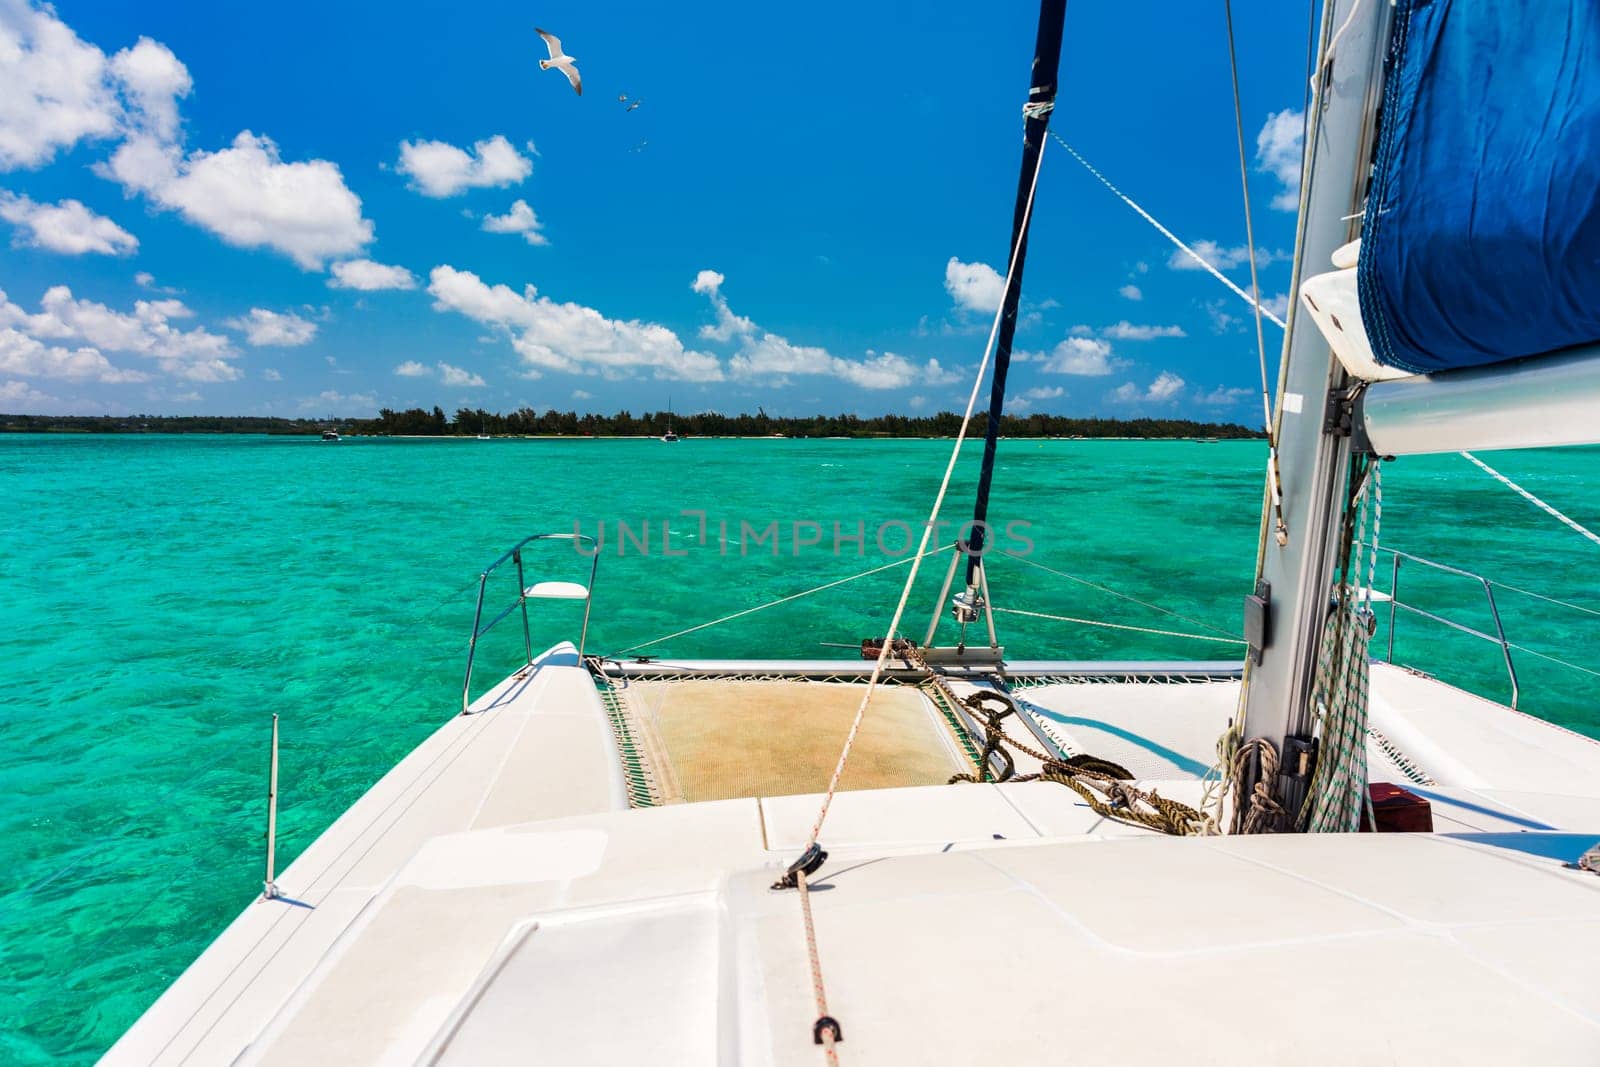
column 622, row 98
column 560, row 60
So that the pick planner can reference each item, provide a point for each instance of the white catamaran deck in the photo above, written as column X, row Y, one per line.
column 481, row 902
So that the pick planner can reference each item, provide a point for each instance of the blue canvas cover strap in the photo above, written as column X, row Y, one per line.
column 1481, row 239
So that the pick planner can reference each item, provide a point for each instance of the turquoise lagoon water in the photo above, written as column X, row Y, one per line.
column 162, row 597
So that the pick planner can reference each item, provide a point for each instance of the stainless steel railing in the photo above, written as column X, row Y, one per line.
column 520, row 601
column 1498, row 637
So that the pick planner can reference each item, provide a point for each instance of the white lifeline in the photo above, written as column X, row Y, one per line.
column 494, row 900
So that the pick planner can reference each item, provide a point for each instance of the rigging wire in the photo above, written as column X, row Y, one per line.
column 1535, row 501
column 1123, row 596
column 780, row 600
column 1249, row 228
column 1255, row 288
column 1205, row 264
column 1118, row 626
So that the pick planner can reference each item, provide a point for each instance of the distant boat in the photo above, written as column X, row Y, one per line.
column 483, row 430
column 669, row 436
column 330, row 435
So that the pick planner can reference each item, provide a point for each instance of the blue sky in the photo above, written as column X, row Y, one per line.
column 310, row 209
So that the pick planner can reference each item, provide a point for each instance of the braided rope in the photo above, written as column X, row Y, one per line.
column 1105, row 786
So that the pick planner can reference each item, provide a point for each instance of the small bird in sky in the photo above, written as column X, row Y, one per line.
column 622, row 98
column 560, row 60
column 639, row 147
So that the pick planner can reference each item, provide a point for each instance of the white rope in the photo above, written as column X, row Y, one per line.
column 1118, row 626
column 928, row 528
column 1327, row 53
column 1169, row 235
column 830, row 1053
column 775, row 603
column 1530, row 498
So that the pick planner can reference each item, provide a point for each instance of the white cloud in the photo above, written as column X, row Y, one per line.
column 145, row 279
column 728, row 325
column 152, row 80
column 520, row 219
column 248, row 196
column 23, row 393
column 768, row 356
column 195, row 354
column 57, row 91
column 412, row 369
column 1276, row 305
column 281, row 329
column 1127, row 331
column 581, row 394
column 1221, row 257
column 569, row 337
column 66, row 227
column 60, row 90
column 1166, row 387
column 458, row 377
column 1085, row 356
column 367, row 276
column 974, row 286
column 1279, row 148
column 1223, row 396
column 333, row 402
column 31, row 358
column 1131, row 292
column 438, row 169
column 1221, row 319
column 271, row 375
column 1026, row 399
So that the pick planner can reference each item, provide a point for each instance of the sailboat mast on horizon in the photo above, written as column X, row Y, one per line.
column 669, row 436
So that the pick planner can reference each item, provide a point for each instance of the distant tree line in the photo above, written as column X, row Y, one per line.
column 468, row 422
column 529, row 422
column 167, row 424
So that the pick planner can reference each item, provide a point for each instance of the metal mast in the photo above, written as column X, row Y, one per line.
column 1295, row 572
column 1041, row 99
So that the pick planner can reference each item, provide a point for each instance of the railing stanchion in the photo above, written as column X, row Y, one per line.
column 514, row 555
column 588, row 602
column 1505, row 646
column 472, row 645
column 522, row 591
column 269, row 888
column 1394, row 596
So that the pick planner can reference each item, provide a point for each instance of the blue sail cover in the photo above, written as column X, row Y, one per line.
column 1481, row 239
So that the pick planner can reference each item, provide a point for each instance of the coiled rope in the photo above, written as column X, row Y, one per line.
column 1105, row 786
